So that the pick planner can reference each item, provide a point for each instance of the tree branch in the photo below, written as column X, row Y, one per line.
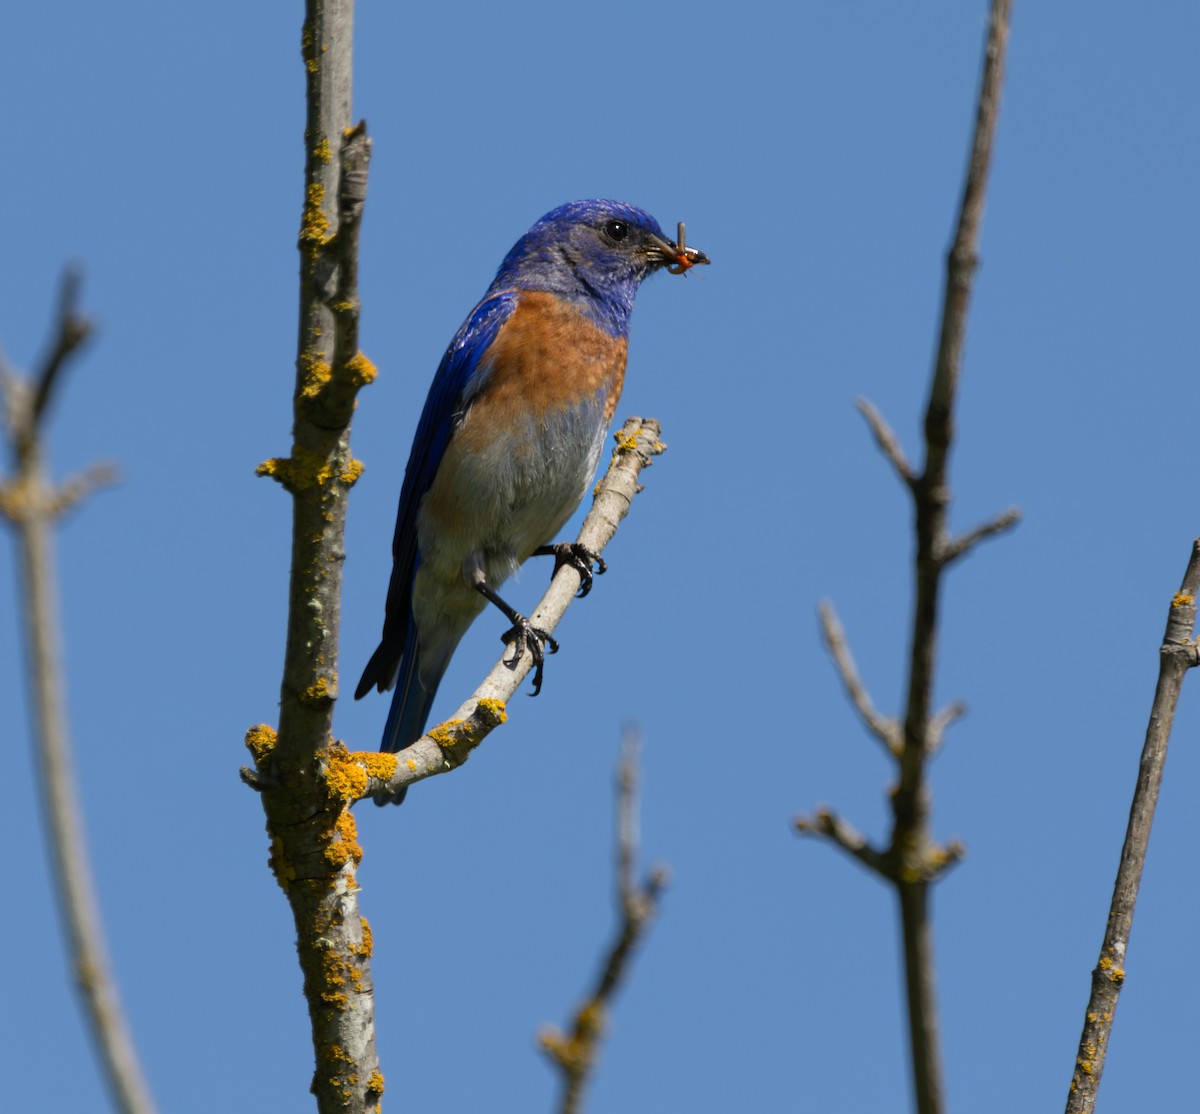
column 1179, row 653
column 306, row 797
column 887, row 441
column 575, row 1053
column 912, row 860
column 30, row 503
column 884, row 728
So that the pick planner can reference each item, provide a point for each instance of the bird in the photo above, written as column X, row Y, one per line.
column 508, row 443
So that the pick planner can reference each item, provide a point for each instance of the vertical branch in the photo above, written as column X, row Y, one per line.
column 307, row 783
column 931, row 494
column 576, row 1052
column 30, row 503
column 912, row 861
column 1178, row 654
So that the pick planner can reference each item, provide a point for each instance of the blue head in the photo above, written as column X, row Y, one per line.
column 593, row 253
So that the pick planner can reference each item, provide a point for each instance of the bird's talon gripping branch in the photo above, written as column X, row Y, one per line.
column 522, row 636
column 579, row 557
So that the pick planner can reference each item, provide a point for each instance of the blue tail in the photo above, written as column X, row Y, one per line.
column 411, row 705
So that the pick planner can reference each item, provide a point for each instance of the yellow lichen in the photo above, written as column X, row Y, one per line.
column 260, row 741
column 625, row 444
column 377, row 765
column 314, row 224
column 319, row 692
column 344, row 846
column 306, row 469
column 446, row 735
column 322, row 152
column 283, row 870
column 375, row 1083
column 315, row 377
column 351, row 473
column 361, row 370
column 368, row 941
column 1182, row 599
column 493, row 710
column 345, row 776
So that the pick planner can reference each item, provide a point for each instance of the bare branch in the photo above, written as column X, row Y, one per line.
column 912, row 860
column 71, row 330
column 964, row 543
column 884, row 728
column 1178, row 654
column 886, row 439
column 30, row 504
column 575, row 1053
column 825, row 822
column 941, row 722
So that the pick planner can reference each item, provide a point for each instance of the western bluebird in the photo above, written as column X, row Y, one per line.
column 508, row 443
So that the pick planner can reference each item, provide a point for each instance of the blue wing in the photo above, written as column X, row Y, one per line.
column 395, row 658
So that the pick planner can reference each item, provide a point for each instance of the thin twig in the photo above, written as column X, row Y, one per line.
column 964, row 543
column 913, row 860
column 575, row 1053
column 31, row 504
column 1179, row 653
column 887, row 440
column 884, row 728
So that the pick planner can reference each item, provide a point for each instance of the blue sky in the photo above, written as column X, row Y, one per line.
column 816, row 152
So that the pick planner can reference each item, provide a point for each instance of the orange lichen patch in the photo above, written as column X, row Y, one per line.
column 321, row 151
column 1182, row 599
column 260, row 741
column 375, row 1083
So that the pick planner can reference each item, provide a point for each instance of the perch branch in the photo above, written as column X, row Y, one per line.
column 575, row 1053
column 450, row 744
column 1179, row 653
column 30, row 503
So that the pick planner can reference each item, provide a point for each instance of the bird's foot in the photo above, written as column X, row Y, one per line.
column 522, row 636
column 579, row 557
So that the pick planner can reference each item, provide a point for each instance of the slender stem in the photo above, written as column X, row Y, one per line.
column 575, row 1053
column 30, row 504
column 1178, row 654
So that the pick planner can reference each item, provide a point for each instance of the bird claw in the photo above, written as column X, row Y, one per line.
column 579, row 557
column 523, row 635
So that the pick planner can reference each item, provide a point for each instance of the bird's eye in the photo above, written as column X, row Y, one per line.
column 616, row 230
